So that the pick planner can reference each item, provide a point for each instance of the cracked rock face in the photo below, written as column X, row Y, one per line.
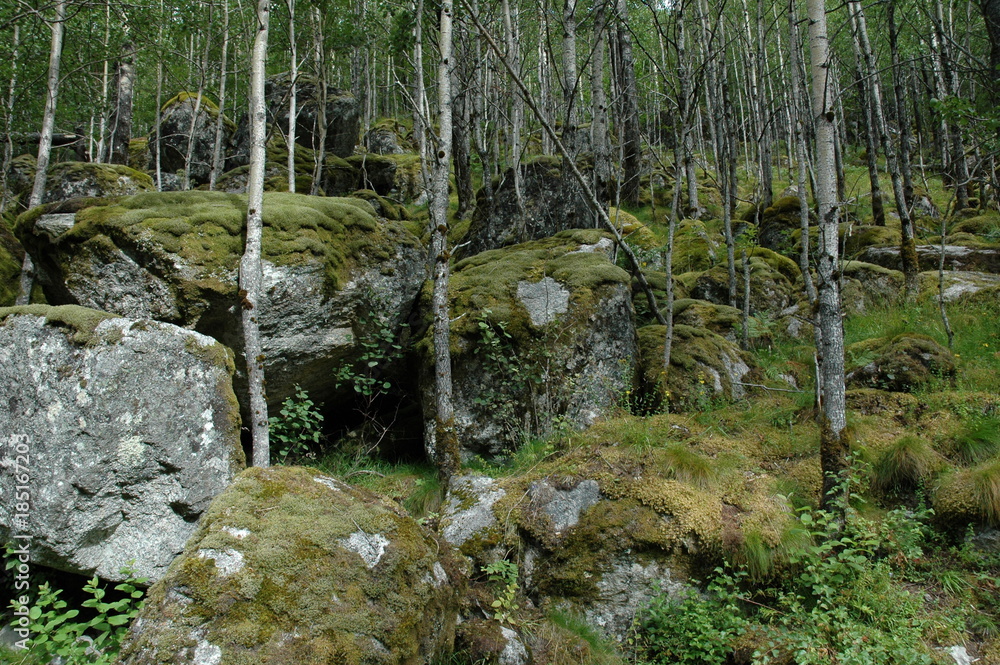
column 123, row 430
column 290, row 566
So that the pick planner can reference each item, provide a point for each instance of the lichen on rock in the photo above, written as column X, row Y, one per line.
column 309, row 587
column 131, row 426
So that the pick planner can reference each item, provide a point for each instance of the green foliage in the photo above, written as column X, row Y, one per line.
column 297, row 429
column 379, row 347
column 979, row 439
column 503, row 574
column 689, row 627
column 56, row 631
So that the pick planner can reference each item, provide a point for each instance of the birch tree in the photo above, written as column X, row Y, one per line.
column 250, row 266
column 56, row 25
column 445, row 441
column 830, row 388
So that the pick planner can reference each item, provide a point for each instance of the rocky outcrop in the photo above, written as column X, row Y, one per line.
column 384, row 138
column 328, row 263
column 771, row 291
column 343, row 117
column 291, row 566
column 958, row 284
column 868, row 285
column 552, row 203
column 180, row 128
column 780, row 224
column 901, row 364
column 128, row 429
column 544, row 335
column 394, row 175
column 72, row 180
column 11, row 257
column 956, row 257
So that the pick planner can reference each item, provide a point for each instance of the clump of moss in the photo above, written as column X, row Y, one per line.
column 970, row 495
column 80, row 322
column 901, row 364
column 11, row 257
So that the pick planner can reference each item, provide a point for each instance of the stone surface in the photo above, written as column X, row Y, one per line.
column 384, row 140
column 626, row 587
column 71, row 180
column 956, row 257
column 957, row 283
column 131, row 428
column 521, row 364
column 868, row 285
column 321, row 573
column 328, row 264
column 182, row 129
column 770, row 290
column 469, row 508
column 564, row 505
column 551, row 205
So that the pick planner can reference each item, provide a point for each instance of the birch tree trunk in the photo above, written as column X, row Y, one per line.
column 44, row 141
column 830, row 388
column 445, row 441
column 293, row 101
column 599, row 103
column 631, row 141
column 218, row 160
column 801, row 156
column 517, row 108
column 8, row 147
column 250, row 266
column 319, row 155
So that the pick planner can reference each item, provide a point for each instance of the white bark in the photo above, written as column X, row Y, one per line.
column 831, row 345
column 446, row 445
column 293, row 104
column 217, row 157
column 250, row 265
column 44, row 141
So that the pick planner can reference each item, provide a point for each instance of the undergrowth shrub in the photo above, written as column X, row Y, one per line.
column 297, row 428
column 843, row 601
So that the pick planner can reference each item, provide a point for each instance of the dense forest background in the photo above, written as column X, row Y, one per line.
column 636, row 77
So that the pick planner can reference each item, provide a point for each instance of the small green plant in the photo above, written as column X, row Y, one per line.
column 978, row 440
column 297, row 429
column 56, row 632
column 503, row 573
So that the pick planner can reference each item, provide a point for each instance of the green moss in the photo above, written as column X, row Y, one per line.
column 81, row 322
column 11, row 257
column 297, row 580
column 777, row 262
column 488, row 281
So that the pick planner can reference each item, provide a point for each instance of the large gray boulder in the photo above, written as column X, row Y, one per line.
column 177, row 133
column 552, row 203
column 332, row 273
column 73, row 180
column 956, row 257
column 544, row 338
column 289, row 565
column 126, row 430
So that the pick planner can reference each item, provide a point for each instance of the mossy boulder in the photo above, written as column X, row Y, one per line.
column 857, row 239
column 73, row 180
column 956, row 257
column 138, row 154
column 289, row 566
column 235, row 180
column 343, row 114
column 132, row 428
column 770, row 290
column 697, row 246
column 328, row 263
column 780, row 224
column 183, row 130
column 11, row 257
column 703, row 366
column 969, row 496
column 552, row 203
column 866, row 285
column 21, row 176
column 723, row 320
column 959, row 285
column 542, row 335
column 901, row 364
column 986, row 224
column 387, row 137
column 632, row 230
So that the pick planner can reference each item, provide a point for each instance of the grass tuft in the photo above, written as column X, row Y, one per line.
column 904, row 466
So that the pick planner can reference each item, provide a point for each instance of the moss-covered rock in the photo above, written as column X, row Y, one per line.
column 343, row 114
column 290, row 567
column 866, row 285
column 235, row 180
column 770, row 290
column 138, row 154
column 72, row 180
column 723, row 320
column 779, row 225
column 328, row 263
column 543, row 335
column 956, row 257
column 552, row 203
column 703, row 367
column 11, row 257
column 183, row 131
column 387, row 137
column 901, row 364
column 696, row 246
